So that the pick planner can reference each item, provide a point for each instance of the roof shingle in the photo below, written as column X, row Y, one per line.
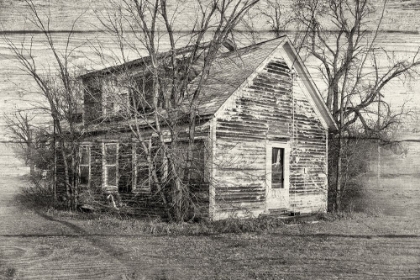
column 229, row 71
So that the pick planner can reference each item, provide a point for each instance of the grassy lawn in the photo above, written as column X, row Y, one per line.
column 380, row 242
column 357, row 246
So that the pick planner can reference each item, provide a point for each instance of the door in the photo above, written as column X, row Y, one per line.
column 277, row 176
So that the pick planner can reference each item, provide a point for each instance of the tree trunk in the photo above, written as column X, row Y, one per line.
column 338, row 181
column 66, row 174
column 65, row 163
column 31, row 153
column 74, row 183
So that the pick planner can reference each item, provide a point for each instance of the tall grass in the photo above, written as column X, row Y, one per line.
column 155, row 226
column 39, row 195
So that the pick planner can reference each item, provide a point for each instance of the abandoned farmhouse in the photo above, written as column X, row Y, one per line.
column 261, row 135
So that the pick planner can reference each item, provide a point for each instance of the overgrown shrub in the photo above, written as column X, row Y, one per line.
column 353, row 198
column 37, row 194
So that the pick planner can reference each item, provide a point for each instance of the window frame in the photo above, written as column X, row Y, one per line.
column 286, row 166
column 147, row 187
column 201, row 148
column 105, row 166
column 89, row 164
column 115, row 94
column 281, row 161
column 164, row 166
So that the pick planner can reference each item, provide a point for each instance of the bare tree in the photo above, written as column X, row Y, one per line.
column 177, row 56
column 278, row 16
column 61, row 95
column 21, row 134
column 342, row 36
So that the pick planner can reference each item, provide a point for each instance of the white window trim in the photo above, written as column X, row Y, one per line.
column 134, row 168
column 104, row 166
column 286, row 168
column 89, row 164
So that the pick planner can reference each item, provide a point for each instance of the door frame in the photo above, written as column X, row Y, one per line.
column 277, row 198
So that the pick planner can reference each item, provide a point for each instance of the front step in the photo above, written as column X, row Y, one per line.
column 279, row 212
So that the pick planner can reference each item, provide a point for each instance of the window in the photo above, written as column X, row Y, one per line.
column 198, row 172
column 92, row 101
column 111, row 165
column 197, row 168
column 141, row 169
column 142, row 93
column 115, row 98
column 277, row 168
column 159, row 162
column 142, row 175
column 121, row 102
column 109, row 109
column 84, row 165
column 277, row 176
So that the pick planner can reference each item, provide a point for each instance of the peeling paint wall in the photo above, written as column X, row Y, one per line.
column 268, row 110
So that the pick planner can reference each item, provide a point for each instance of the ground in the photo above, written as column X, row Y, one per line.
column 382, row 244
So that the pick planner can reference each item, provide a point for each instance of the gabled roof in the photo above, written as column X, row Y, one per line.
column 236, row 69
column 140, row 62
column 232, row 70
column 229, row 71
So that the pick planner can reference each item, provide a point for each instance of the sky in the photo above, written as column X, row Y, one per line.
column 400, row 34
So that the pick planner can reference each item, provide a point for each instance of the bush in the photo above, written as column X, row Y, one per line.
column 38, row 194
column 353, row 198
column 259, row 224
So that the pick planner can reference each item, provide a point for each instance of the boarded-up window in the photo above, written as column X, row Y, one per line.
column 84, row 165
column 110, row 164
column 277, row 168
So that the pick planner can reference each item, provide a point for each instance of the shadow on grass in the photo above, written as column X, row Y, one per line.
column 100, row 244
column 115, row 253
